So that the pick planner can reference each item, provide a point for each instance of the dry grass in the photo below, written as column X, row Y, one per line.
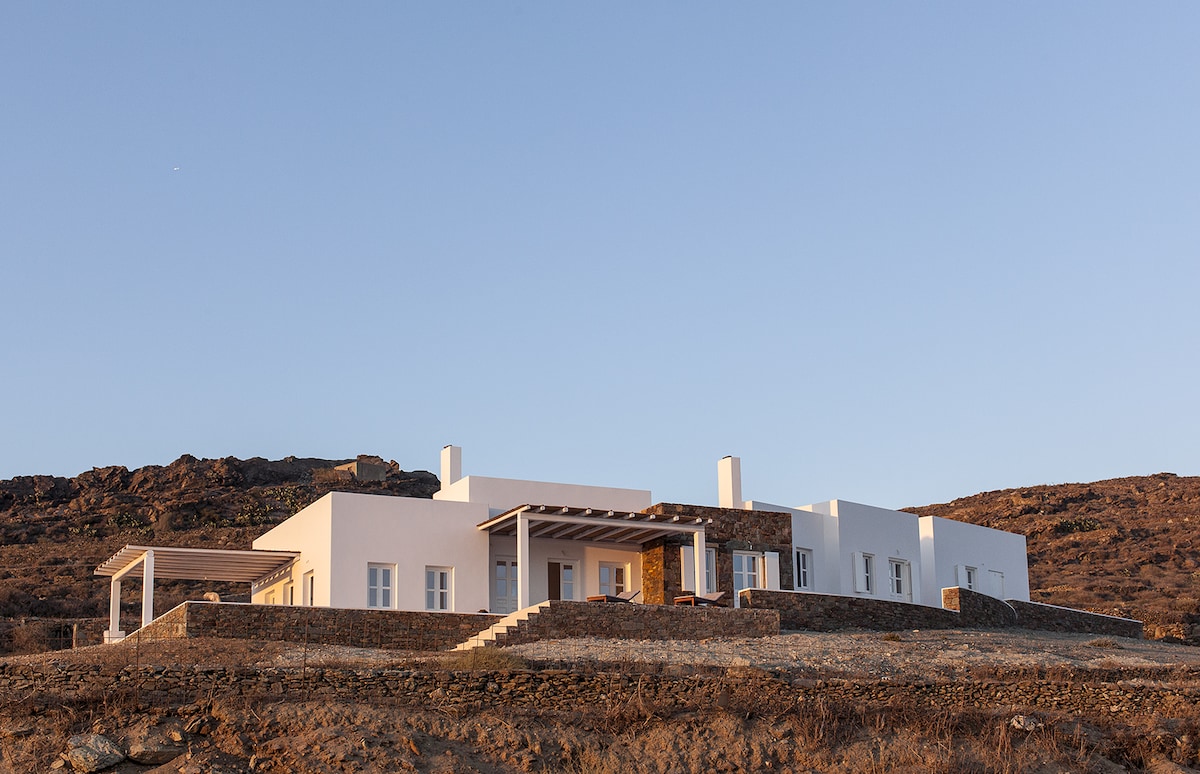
column 490, row 659
column 738, row 731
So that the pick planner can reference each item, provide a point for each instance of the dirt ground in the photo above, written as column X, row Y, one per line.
column 288, row 734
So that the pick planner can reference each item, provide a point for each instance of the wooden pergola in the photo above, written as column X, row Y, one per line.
column 594, row 525
column 215, row 564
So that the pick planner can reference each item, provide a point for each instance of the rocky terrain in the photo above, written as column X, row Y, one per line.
column 945, row 701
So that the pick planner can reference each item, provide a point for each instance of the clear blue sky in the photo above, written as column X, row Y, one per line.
column 890, row 252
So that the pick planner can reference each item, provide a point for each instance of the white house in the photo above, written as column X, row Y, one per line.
column 503, row 544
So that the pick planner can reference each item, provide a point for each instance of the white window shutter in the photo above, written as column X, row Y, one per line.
column 860, row 572
column 687, row 565
column 770, row 570
column 960, row 576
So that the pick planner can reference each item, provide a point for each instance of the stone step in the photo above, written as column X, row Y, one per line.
column 498, row 632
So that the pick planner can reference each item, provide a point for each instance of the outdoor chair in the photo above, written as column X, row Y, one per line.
column 624, row 596
column 714, row 598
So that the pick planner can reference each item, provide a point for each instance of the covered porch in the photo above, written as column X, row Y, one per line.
column 203, row 564
column 630, row 530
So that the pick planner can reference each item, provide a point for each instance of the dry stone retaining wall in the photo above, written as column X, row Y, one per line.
column 564, row 619
column 832, row 612
column 977, row 610
column 745, row 690
column 963, row 609
column 387, row 629
column 1050, row 618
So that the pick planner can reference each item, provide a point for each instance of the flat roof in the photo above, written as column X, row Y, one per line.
column 593, row 525
column 213, row 564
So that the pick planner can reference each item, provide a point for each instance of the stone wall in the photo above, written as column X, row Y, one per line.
column 562, row 619
column 1181, row 626
column 657, row 565
column 963, row 609
column 977, row 610
column 1033, row 615
column 387, row 629
column 736, row 690
column 832, row 612
column 732, row 529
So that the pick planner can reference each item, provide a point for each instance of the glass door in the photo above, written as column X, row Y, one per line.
column 504, row 585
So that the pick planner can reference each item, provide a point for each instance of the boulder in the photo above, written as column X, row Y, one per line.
column 154, row 745
column 92, row 752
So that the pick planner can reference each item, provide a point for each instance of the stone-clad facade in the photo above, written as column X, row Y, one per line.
column 731, row 529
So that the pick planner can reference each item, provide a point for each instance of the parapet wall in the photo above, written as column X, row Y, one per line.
column 962, row 608
column 387, row 629
column 832, row 612
column 1051, row 618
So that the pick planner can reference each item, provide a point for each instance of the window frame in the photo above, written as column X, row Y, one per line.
column 381, row 586
column 308, row 589
column 619, row 574
column 439, row 598
column 804, row 569
column 751, row 562
column 900, row 578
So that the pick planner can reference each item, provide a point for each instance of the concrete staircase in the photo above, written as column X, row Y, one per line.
column 511, row 624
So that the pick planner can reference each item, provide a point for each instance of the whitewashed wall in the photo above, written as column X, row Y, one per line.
column 947, row 545
column 502, row 494
column 343, row 532
column 309, row 533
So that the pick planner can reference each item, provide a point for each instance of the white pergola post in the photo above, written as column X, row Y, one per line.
column 114, row 633
column 148, row 588
column 522, row 561
column 698, row 557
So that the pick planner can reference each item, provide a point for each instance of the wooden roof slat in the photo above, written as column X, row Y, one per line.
column 199, row 563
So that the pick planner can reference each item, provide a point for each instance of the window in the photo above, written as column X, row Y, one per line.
column 686, row 554
column 968, row 577
column 379, row 585
column 504, row 585
column 745, row 570
column 864, row 573
column 710, row 569
column 971, row 572
column 612, row 578
column 438, row 588
column 900, row 578
column 308, row 590
column 804, row 563
column 270, row 600
column 289, row 594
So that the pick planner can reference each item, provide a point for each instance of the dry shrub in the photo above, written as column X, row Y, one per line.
column 1104, row 642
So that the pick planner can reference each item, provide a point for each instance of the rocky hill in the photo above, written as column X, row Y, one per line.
column 1125, row 546
column 54, row 531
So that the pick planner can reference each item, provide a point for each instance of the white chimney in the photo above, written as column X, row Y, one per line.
column 729, row 483
column 451, row 465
